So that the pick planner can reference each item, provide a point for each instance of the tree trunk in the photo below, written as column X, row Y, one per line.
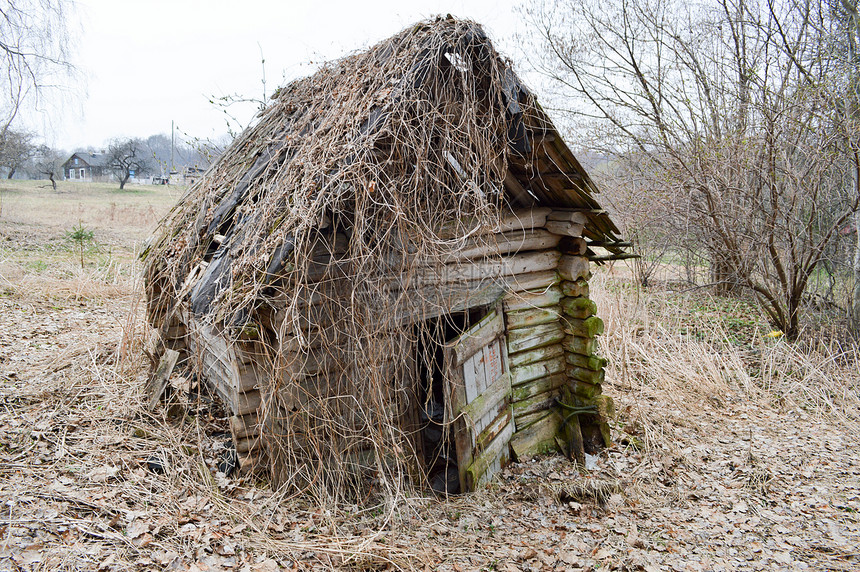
column 11, row 173
column 855, row 310
column 53, row 181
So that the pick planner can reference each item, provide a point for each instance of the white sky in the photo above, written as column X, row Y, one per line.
column 148, row 62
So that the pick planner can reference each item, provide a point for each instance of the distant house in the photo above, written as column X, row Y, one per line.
column 84, row 166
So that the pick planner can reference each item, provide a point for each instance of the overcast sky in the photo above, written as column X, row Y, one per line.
column 148, row 62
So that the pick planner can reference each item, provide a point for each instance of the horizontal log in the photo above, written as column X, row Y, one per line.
column 530, row 372
column 594, row 363
column 539, row 354
column 542, row 298
column 564, row 228
column 246, row 403
column 582, row 346
column 518, row 219
column 587, row 328
column 527, row 339
column 524, row 421
column 531, row 281
column 523, row 219
column 248, row 445
column 509, row 242
column 585, row 390
column 572, row 268
column 586, row 375
column 538, row 402
column 248, row 379
column 581, row 307
column 575, row 289
column 537, row 438
column 513, row 265
column 574, row 246
column 538, row 386
column 532, row 317
column 243, row 426
column 574, row 216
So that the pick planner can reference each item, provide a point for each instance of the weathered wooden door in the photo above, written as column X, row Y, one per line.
column 479, row 395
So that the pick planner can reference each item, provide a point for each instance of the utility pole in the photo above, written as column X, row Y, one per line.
column 172, row 147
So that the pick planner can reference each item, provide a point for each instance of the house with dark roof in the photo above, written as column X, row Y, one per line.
column 86, row 166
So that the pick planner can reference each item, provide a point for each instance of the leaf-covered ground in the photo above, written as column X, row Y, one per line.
column 727, row 483
column 732, row 451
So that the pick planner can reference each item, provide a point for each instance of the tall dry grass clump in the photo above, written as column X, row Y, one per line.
column 664, row 348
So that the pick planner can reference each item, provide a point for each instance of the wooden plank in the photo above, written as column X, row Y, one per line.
column 473, row 372
column 536, row 439
column 157, row 383
column 492, row 429
column 495, row 449
column 475, row 338
column 530, row 372
column 518, row 193
column 492, row 363
column 541, row 298
column 532, row 317
column 531, row 338
column 492, row 400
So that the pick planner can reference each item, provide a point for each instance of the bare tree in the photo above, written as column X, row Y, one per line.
column 34, row 49
column 733, row 112
column 16, row 149
column 48, row 161
column 127, row 158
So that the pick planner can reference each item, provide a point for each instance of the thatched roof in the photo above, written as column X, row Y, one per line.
column 427, row 127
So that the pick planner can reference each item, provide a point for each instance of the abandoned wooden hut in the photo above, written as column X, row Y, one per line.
column 386, row 276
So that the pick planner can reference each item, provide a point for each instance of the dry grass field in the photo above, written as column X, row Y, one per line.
column 732, row 450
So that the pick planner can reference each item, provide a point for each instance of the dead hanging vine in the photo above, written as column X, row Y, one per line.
column 314, row 232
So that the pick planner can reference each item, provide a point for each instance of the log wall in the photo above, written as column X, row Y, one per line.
column 535, row 261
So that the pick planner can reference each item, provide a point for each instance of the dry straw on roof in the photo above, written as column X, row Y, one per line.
column 319, row 224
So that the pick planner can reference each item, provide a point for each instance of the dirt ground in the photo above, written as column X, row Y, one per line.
column 714, row 466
